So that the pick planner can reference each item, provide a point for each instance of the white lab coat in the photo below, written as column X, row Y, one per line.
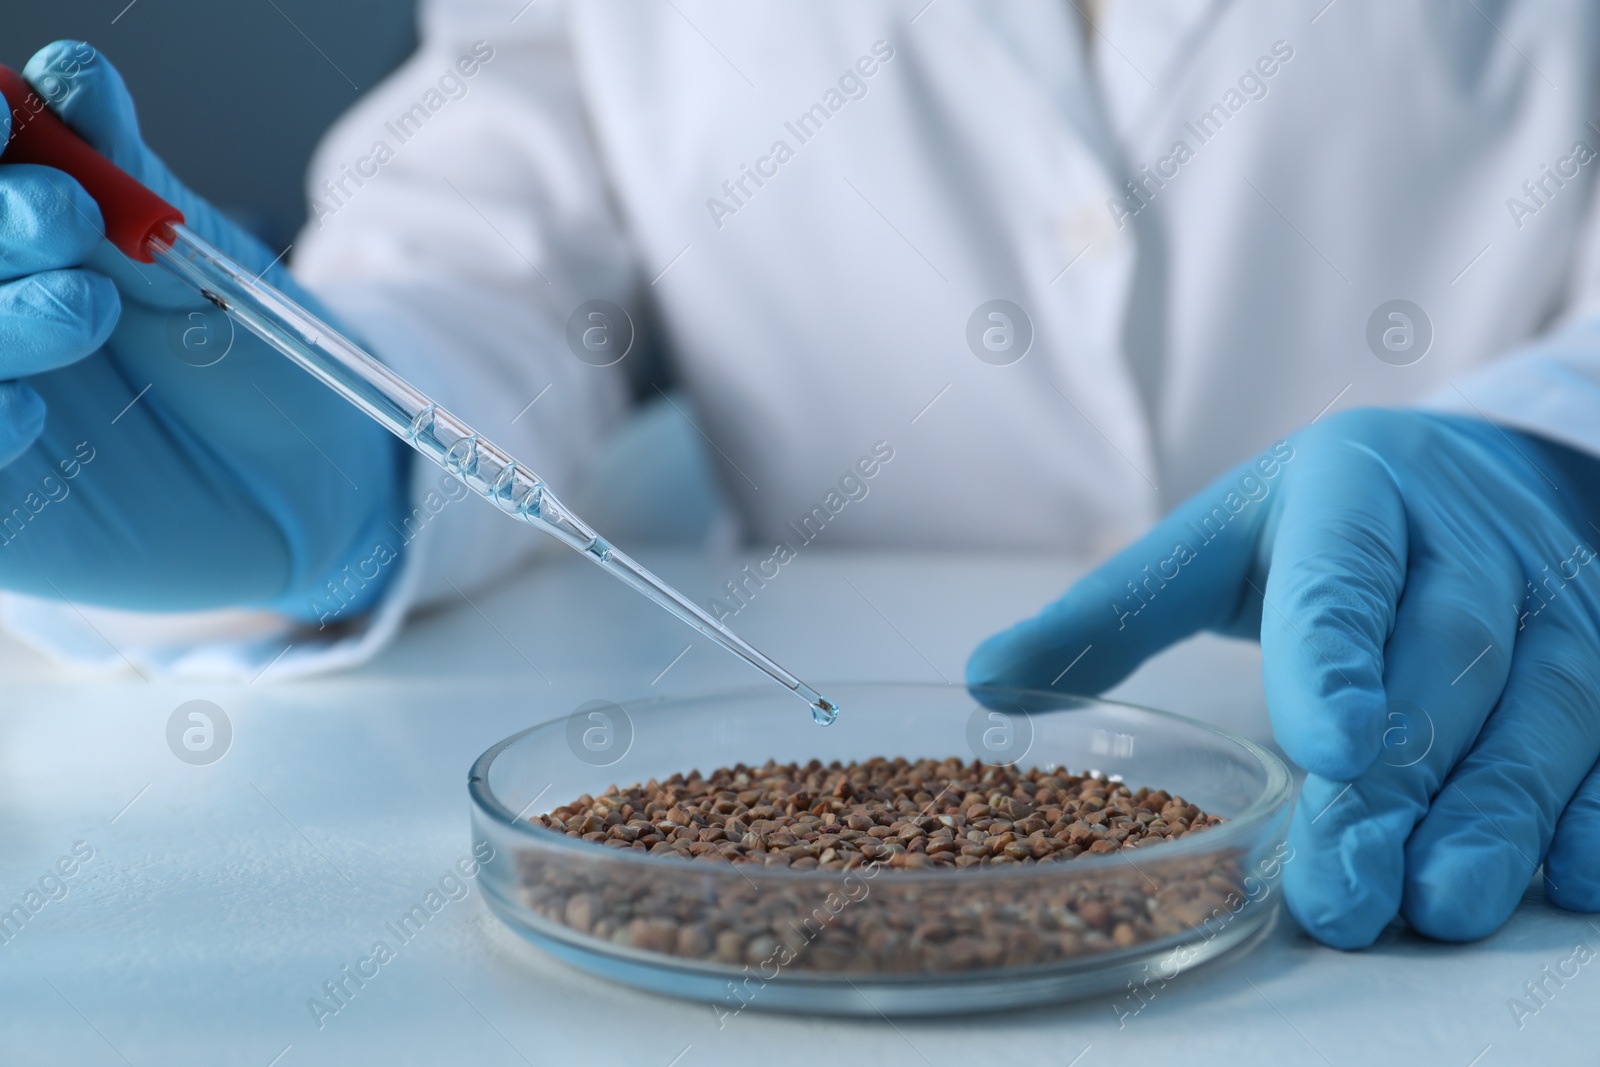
column 1301, row 165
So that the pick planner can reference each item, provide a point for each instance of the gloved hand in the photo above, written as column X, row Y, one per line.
column 1427, row 597
column 129, row 475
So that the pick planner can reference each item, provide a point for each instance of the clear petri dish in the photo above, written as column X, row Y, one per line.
column 879, row 940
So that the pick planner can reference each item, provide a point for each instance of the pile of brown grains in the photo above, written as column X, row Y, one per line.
column 904, row 814
column 848, row 824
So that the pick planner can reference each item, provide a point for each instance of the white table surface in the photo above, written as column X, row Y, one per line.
column 221, row 898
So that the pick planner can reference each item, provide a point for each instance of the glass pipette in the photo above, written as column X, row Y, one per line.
column 148, row 229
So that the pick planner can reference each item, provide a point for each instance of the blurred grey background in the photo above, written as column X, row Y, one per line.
column 232, row 95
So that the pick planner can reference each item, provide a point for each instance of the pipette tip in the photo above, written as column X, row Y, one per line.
column 824, row 711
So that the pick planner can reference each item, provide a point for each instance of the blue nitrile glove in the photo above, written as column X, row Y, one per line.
column 133, row 477
column 1427, row 598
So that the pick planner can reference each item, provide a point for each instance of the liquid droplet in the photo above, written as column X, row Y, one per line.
column 824, row 712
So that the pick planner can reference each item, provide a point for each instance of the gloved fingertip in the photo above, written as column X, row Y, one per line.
column 1572, row 888
column 89, row 95
column 1335, row 758
column 1336, row 735
column 50, row 221
column 1465, row 890
column 1043, row 653
column 85, row 208
column 49, row 67
column 103, row 307
column 994, row 661
column 1572, row 864
column 1344, row 892
column 21, row 420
